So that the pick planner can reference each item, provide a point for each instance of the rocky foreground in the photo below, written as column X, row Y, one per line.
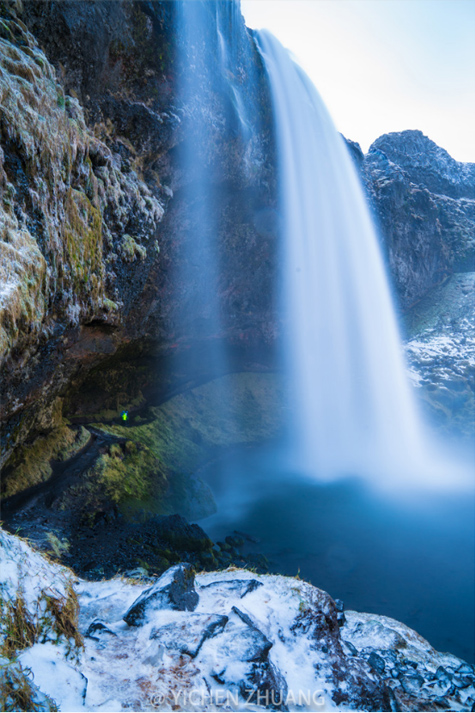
column 229, row 640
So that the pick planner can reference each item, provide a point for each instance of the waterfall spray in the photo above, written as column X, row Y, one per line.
column 354, row 412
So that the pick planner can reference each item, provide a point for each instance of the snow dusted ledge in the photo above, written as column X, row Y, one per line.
column 227, row 640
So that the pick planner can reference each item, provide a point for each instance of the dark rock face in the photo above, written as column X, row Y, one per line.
column 116, row 79
column 424, row 201
column 173, row 590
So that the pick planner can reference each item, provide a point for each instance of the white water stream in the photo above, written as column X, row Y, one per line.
column 353, row 409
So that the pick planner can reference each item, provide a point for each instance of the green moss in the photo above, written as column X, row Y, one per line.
column 32, row 463
column 23, row 272
column 83, row 241
column 154, row 466
column 129, row 475
column 130, row 249
column 109, row 305
column 188, row 427
column 52, row 153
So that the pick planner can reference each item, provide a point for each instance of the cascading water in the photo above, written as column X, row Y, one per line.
column 350, row 405
column 354, row 413
column 197, row 268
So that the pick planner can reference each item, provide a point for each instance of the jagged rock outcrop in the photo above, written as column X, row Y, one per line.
column 277, row 644
column 424, row 201
column 68, row 212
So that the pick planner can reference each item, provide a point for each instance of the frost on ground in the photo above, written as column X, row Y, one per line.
column 227, row 640
column 441, row 352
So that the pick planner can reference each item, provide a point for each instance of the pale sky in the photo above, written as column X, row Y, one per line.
column 384, row 65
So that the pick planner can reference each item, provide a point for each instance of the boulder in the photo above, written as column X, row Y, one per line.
column 173, row 590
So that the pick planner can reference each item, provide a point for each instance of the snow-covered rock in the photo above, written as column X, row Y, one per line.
column 173, row 590
column 441, row 353
column 251, row 642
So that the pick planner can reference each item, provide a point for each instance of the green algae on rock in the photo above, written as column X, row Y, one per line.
column 186, row 428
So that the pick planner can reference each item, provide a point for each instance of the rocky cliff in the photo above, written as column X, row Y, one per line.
column 93, row 214
column 424, row 201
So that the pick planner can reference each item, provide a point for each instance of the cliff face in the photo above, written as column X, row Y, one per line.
column 93, row 213
column 424, row 201
column 68, row 215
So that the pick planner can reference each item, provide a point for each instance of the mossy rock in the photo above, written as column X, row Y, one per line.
column 233, row 409
column 129, row 471
column 183, row 434
column 32, row 463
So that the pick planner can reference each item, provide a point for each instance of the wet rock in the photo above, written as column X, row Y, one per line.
column 376, row 662
column 462, row 681
column 234, row 541
column 173, row 590
column 466, row 669
column 442, row 674
column 438, row 687
column 138, row 573
column 247, row 537
column 341, row 619
column 188, row 635
column 260, row 562
column 348, row 648
column 339, row 605
column 179, row 534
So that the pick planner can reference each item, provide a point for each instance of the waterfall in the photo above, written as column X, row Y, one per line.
column 353, row 409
